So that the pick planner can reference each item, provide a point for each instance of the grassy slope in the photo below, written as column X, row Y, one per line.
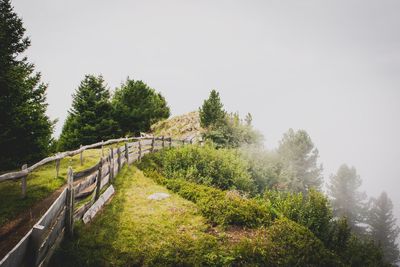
column 183, row 126
column 40, row 184
column 133, row 230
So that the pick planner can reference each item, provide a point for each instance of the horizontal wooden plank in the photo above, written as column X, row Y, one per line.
column 104, row 181
column 87, row 191
column 89, row 215
column 90, row 180
column 50, row 252
column 54, row 232
column 54, row 210
column 134, row 144
column 86, row 172
column 146, row 142
column 17, row 256
column 78, row 214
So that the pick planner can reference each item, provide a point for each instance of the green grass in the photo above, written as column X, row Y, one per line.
column 40, row 184
column 135, row 231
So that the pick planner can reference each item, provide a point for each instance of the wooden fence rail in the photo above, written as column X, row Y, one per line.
column 82, row 198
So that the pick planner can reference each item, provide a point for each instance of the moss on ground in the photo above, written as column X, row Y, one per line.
column 41, row 183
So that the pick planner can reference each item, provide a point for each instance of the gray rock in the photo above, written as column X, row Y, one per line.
column 158, row 196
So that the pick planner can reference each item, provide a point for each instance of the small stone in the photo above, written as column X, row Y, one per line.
column 158, row 196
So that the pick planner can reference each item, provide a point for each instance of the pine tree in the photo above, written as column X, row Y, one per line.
column 25, row 128
column 137, row 107
column 346, row 199
column 212, row 112
column 383, row 227
column 299, row 156
column 90, row 117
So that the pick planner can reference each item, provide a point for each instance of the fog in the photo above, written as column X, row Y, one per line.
column 329, row 67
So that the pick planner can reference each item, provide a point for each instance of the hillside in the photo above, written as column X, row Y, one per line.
column 186, row 126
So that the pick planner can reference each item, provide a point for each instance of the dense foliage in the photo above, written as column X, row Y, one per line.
column 25, row 128
column 232, row 132
column 218, row 206
column 304, row 234
column 223, row 129
column 137, row 106
column 90, row 117
column 285, row 243
column 206, row 165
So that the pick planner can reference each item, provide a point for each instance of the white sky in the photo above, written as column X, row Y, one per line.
column 329, row 67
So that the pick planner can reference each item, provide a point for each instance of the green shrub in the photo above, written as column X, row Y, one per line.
column 222, row 168
column 312, row 211
column 285, row 243
column 219, row 207
column 187, row 250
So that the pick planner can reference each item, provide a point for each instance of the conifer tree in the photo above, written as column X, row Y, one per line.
column 383, row 228
column 346, row 199
column 299, row 157
column 90, row 117
column 137, row 107
column 25, row 128
column 212, row 111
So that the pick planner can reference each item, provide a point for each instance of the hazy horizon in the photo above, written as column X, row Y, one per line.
column 330, row 68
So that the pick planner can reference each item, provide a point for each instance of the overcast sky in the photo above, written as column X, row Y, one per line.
column 329, row 67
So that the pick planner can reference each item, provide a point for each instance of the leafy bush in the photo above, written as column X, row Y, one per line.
column 222, row 168
column 312, row 211
column 266, row 168
column 231, row 132
column 285, row 243
column 220, row 207
column 187, row 250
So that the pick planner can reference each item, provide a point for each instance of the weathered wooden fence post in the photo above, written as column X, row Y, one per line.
column 183, row 142
column 57, row 167
column 111, row 164
column 23, row 181
column 69, row 216
column 98, row 181
column 81, row 156
column 170, row 142
column 127, row 153
column 119, row 158
column 152, row 144
column 140, row 151
column 163, row 141
column 102, row 148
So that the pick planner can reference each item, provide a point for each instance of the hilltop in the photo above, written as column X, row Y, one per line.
column 186, row 126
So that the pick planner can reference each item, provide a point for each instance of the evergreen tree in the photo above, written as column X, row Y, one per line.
column 212, row 112
column 90, row 117
column 383, row 227
column 137, row 107
column 25, row 129
column 299, row 156
column 346, row 199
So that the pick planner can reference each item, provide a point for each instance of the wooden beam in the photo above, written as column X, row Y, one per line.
column 23, row 181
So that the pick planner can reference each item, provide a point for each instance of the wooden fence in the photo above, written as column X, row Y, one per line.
column 86, row 192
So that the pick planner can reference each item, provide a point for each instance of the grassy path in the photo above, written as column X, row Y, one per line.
column 134, row 231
